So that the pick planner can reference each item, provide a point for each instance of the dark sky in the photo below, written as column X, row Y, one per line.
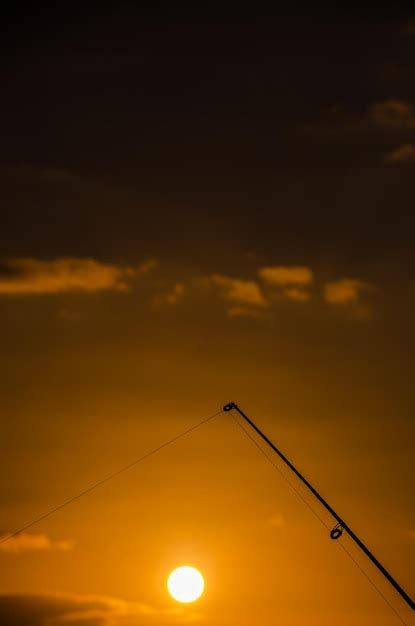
column 197, row 209
column 209, row 126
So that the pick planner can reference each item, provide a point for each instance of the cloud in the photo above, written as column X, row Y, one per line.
column 172, row 296
column 246, row 292
column 147, row 266
column 245, row 311
column 393, row 115
column 18, row 609
column 34, row 276
column 403, row 154
column 28, row 542
column 283, row 276
column 345, row 291
column 259, row 299
column 297, row 294
column 292, row 282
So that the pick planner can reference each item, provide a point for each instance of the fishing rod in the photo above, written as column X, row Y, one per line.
column 341, row 525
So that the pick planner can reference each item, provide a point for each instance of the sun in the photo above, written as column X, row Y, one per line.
column 185, row 584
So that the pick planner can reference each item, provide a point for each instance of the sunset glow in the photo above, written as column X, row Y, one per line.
column 199, row 210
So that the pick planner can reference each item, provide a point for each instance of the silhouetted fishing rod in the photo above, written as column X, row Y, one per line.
column 341, row 526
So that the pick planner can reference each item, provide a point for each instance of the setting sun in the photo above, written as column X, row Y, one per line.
column 207, row 303
column 185, row 584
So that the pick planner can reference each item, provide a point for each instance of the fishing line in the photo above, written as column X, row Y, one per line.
column 374, row 585
column 170, row 442
column 320, row 519
column 107, row 478
column 281, row 473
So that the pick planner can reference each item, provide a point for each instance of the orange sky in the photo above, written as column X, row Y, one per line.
column 188, row 224
column 99, row 397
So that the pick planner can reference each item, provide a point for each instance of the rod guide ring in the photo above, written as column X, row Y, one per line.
column 228, row 407
column 337, row 532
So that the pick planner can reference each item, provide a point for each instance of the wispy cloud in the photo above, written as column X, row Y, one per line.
column 283, row 276
column 345, row 291
column 404, row 154
column 172, row 296
column 28, row 542
column 297, row 294
column 34, row 276
column 291, row 282
column 258, row 299
column 57, row 609
column 146, row 266
column 237, row 290
column 392, row 117
column 393, row 114
column 246, row 311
